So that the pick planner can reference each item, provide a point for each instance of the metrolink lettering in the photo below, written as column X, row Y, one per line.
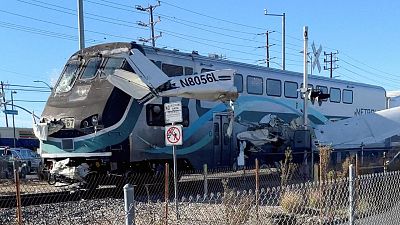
column 198, row 80
column 361, row 111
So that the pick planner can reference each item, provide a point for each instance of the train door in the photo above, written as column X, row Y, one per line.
column 222, row 142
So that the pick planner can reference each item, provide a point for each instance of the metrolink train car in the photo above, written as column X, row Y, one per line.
column 107, row 128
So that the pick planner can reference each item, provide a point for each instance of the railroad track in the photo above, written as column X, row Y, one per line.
column 189, row 185
column 27, row 199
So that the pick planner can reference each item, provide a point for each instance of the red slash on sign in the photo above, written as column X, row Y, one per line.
column 173, row 135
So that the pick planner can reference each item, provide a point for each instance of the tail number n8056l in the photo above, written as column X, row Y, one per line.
column 198, row 80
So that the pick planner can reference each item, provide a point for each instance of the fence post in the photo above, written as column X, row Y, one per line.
column 351, row 194
column 166, row 193
column 257, row 186
column 129, row 204
column 205, row 175
column 384, row 162
column 357, row 171
column 18, row 192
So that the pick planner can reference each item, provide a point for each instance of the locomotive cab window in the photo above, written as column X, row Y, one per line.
column 238, row 82
column 68, row 77
column 172, row 70
column 90, row 69
column 112, row 64
column 155, row 115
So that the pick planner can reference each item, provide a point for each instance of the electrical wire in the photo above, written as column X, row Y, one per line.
column 63, row 25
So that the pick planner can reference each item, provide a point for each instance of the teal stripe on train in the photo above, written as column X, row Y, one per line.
column 93, row 144
column 242, row 104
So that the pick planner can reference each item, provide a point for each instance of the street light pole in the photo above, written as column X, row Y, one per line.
column 40, row 81
column 283, row 15
column 12, row 107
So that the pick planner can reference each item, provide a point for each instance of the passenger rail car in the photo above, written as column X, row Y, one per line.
column 112, row 131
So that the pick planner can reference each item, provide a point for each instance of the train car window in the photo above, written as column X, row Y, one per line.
column 347, row 96
column 204, row 70
column 155, row 115
column 324, row 90
column 112, row 64
column 68, row 77
column 90, row 70
column 225, row 132
column 335, row 95
column 238, row 82
column 172, row 70
column 216, row 134
column 291, row 89
column 188, row 71
column 254, row 85
column 310, row 87
column 274, row 87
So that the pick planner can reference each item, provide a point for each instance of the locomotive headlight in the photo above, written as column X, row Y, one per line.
column 85, row 124
column 95, row 121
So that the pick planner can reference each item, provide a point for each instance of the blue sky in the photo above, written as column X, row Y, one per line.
column 38, row 36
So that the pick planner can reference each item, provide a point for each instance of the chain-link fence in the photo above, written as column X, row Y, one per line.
column 281, row 195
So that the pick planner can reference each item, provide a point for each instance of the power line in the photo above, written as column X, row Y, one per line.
column 366, row 71
column 62, row 25
column 37, row 31
column 358, row 61
column 212, row 17
column 99, row 18
column 369, row 78
column 126, row 25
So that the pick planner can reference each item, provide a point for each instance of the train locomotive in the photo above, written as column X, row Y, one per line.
column 106, row 110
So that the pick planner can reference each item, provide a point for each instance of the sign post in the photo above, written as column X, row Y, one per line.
column 173, row 137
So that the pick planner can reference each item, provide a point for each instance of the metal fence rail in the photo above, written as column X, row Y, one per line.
column 246, row 196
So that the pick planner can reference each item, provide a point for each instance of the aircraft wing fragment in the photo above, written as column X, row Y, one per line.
column 149, row 80
column 360, row 130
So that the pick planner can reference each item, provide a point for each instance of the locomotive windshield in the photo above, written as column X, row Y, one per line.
column 68, row 77
column 113, row 64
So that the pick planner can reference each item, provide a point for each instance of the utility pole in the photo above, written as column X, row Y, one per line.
column 330, row 62
column 12, row 107
column 80, row 25
column 267, row 49
column 4, row 100
column 150, row 9
column 304, row 89
column 283, row 15
column 267, row 46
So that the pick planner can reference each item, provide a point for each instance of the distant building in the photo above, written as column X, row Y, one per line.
column 24, row 137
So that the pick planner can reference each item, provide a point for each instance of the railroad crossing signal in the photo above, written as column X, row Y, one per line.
column 173, row 135
column 316, row 54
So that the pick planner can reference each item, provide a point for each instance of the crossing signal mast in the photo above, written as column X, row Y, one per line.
column 330, row 62
column 150, row 9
